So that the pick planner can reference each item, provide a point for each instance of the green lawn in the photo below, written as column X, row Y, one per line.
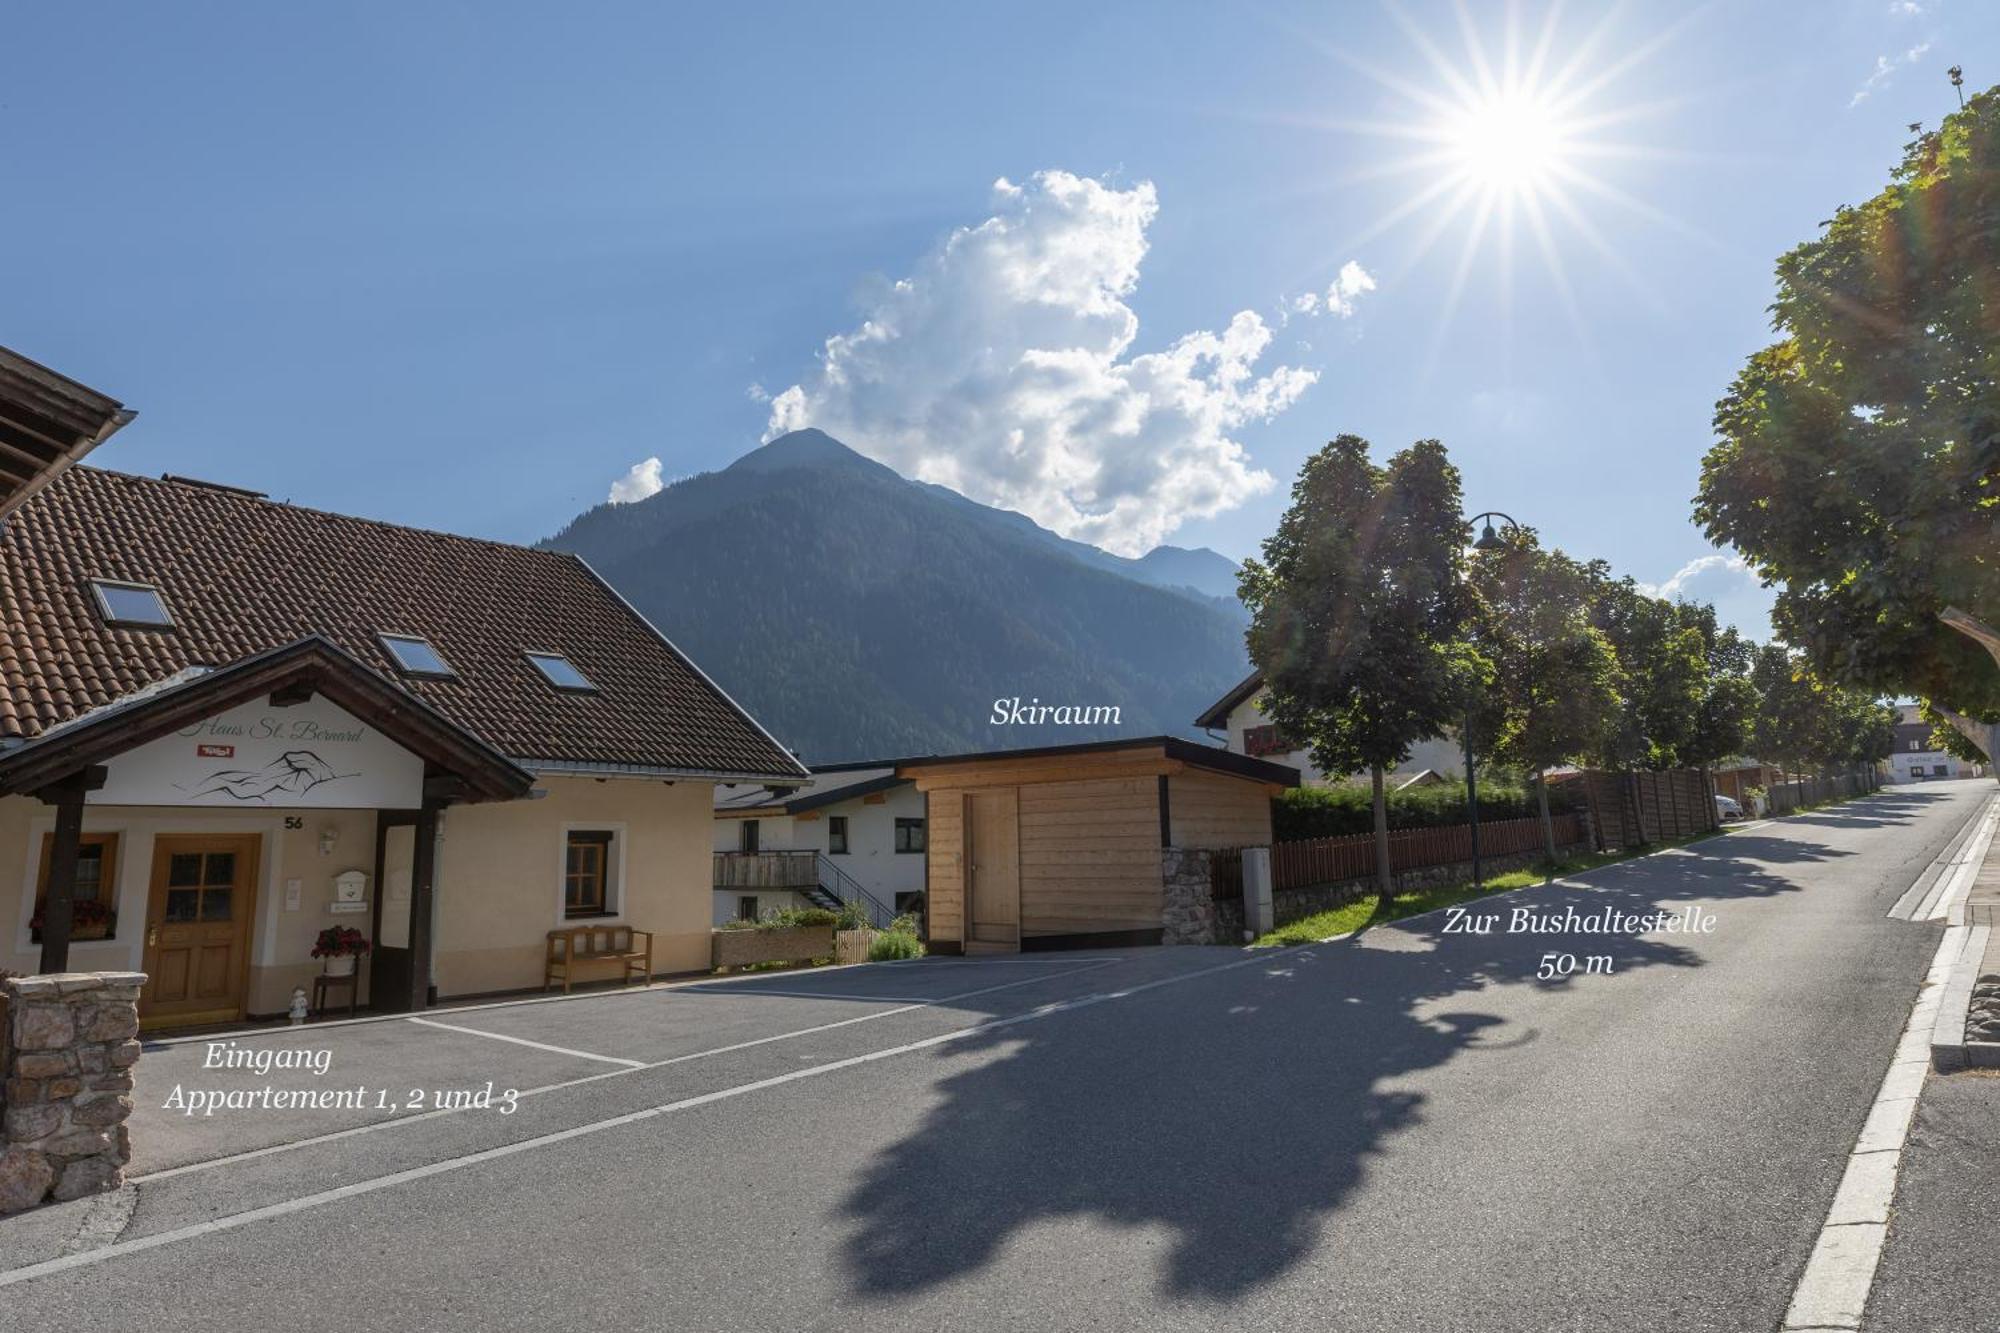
column 1369, row 910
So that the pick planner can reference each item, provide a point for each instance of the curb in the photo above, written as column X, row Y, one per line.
column 1950, row 1050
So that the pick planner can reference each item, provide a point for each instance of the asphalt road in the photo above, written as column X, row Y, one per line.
column 1404, row 1130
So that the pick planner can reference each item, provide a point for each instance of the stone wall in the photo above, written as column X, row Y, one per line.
column 1187, row 910
column 71, row 1041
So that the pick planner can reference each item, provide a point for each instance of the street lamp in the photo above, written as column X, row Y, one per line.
column 1489, row 540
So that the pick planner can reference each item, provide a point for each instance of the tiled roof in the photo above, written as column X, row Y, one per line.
column 241, row 574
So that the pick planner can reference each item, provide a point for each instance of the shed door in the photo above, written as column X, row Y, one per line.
column 993, row 867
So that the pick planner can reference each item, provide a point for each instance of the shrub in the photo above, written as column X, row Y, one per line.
column 1332, row 812
column 853, row 916
column 783, row 918
column 894, row 944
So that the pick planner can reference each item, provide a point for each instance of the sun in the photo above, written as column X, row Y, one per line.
column 1511, row 142
column 1506, row 128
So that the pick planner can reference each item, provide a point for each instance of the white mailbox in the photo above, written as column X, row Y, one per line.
column 350, row 886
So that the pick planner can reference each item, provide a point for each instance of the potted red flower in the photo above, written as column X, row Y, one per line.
column 340, row 946
column 89, row 919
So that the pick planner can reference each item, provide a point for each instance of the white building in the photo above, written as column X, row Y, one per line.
column 1239, row 717
column 1914, row 759
column 853, row 830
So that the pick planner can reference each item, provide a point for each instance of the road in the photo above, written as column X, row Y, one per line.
column 1404, row 1130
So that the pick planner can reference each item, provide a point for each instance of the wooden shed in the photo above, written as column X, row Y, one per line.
column 1063, row 847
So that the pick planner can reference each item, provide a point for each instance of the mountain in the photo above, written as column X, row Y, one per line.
column 861, row 615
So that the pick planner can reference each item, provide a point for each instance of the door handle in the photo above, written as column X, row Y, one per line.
column 152, row 937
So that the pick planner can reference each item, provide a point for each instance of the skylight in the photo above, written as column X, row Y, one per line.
column 561, row 672
column 415, row 656
column 137, row 604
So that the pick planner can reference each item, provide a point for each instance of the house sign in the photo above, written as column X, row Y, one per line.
column 313, row 756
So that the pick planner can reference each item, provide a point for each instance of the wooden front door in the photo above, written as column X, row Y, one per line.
column 993, row 869
column 198, row 928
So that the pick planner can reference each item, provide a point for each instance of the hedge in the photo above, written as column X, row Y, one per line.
column 1332, row 812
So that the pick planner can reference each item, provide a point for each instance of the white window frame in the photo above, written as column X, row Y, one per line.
column 383, row 636
column 97, row 587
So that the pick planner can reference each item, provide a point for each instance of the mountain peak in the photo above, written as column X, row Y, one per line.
column 808, row 448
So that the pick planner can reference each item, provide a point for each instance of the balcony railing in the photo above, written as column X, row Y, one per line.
column 766, row 870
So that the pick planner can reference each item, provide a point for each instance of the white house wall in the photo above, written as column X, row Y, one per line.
column 871, row 859
column 1442, row 754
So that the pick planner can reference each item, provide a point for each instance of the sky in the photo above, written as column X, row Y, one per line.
column 1121, row 267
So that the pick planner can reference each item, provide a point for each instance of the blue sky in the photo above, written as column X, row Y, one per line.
column 465, row 265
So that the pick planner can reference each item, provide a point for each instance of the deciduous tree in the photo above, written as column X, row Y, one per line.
column 1859, row 460
column 1553, row 697
column 1358, row 612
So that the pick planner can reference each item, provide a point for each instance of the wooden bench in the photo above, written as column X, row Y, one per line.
column 573, row 947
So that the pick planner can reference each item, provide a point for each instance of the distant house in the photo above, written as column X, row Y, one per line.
column 1914, row 760
column 852, row 831
column 1246, row 731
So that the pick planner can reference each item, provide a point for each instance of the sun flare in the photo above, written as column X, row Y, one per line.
column 1508, row 144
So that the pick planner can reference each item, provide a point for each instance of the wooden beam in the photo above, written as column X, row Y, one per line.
column 294, row 692
column 423, row 884
column 59, row 907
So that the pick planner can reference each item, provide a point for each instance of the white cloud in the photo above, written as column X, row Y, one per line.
column 1347, row 288
column 1885, row 67
column 1676, row 585
column 1349, row 285
column 643, row 480
column 1002, row 367
column 757, row 393
column 1906, row 8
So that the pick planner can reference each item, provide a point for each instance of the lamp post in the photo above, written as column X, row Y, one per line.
column 1489, row 540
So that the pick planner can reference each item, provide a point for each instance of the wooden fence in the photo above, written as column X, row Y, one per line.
column 1788, row 796
column 1638, row 809
column 1329, row 860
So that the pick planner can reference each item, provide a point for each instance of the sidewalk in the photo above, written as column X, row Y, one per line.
column 1939, row 1269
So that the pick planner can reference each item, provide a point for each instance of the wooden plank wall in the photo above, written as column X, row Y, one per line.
column 944, row 842
column 1213, row 810
column 1090, row 856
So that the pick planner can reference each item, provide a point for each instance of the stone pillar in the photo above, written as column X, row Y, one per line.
column 71, row 1043
column 1259, row 918
column 1187, row 908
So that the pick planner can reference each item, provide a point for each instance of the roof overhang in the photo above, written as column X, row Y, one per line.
column 1217, row 714
column 1143, row 756
column 47, row 422
column 459, row 766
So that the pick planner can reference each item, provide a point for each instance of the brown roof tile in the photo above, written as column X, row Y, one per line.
column 242, row 574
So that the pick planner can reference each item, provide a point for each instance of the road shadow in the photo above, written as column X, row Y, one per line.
column 1234, row 1117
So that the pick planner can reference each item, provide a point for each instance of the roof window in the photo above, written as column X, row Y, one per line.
column 562, row 673
column 416, row 657
column 136, row 605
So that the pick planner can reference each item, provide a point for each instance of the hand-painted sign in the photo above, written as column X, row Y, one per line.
column 313, row 755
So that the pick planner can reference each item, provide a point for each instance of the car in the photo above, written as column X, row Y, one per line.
column 1727, row 807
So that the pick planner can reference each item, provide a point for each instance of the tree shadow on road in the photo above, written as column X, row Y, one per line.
column 1234, row 1112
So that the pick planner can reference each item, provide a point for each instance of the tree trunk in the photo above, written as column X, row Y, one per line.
column 1548, row 823
column 1385, row 882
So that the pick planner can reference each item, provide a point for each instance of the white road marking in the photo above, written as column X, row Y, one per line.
column 339, row 1134
column 234, row 1221
column 743, row 984
column 1834, row 1291
column 523, row 1041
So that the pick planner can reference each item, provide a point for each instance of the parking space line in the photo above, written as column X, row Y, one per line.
column 538, row 1045
column 234, row 1221
column 335, row 1136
